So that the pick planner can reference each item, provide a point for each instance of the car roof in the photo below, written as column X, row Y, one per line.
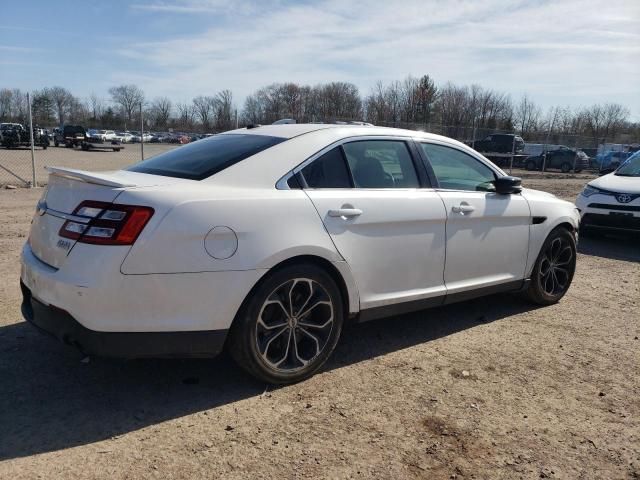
column 294, row 130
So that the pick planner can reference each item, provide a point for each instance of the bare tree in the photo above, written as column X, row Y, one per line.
column 527, row 116
column 6, row 101
column 96, row 105
column 129, row 98
column 161, row 111
column 186, row 115
column 204, row 107
column 223, row 109
column 62, row 100
column 605, row 121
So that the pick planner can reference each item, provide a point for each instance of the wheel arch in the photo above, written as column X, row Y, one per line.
column 339, row 272
column 560, row 223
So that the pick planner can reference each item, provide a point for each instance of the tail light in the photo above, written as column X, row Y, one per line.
column 107, row 223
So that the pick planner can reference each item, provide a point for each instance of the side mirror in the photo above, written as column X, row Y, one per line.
column 606, row 170
column 507, row 185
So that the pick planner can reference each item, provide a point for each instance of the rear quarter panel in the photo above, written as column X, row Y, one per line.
column 270, row 226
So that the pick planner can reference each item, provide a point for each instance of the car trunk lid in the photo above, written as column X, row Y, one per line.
column 66, row 189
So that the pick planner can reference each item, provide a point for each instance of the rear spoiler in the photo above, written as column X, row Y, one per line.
column 89, row 177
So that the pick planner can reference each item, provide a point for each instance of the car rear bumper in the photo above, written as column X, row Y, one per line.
column 90, row 286
column 61, row 325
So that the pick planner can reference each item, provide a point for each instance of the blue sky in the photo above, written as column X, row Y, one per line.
column 569, row 52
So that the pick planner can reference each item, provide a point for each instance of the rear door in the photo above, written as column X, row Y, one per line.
column 487, row 234
column 383, row 219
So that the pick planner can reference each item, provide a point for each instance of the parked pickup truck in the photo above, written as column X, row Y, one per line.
column 499, row 143
column 70, row 136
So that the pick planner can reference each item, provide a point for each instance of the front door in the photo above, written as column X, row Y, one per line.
column 487, row 233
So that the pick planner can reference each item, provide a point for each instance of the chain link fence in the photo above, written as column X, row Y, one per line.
column 23, row 160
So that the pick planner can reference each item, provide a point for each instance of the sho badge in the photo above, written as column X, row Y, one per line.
column 64, row 244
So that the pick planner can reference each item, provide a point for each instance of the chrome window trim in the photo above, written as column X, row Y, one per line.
column 283, row 185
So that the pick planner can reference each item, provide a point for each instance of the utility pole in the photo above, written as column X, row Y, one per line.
column 33, row 157
column 546, row 142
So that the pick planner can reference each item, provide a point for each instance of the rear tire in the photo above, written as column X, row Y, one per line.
column 554, row 269
column 531, row 165
column 289, row 325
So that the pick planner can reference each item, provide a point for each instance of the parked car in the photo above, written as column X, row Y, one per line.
column 145, row 137
column 6, row 126
column 612, row 202
column 564, row 159
column 265, row 241
column 70, row 136
column 123, row 137
column 609, row 161
column 499, row 143
column 104, row 135
column 15, row 135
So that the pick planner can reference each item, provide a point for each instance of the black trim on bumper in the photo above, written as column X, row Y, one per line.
column 611, row 222
column 60, row 324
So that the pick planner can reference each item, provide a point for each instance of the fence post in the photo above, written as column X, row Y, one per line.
column 33, row 157
column 141, row 134
column 473, row 140
column 513, row 152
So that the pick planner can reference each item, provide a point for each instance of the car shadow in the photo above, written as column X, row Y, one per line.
column 614, row 246
column 51, row 400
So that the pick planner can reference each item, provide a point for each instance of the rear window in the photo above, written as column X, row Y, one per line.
column 201, row 159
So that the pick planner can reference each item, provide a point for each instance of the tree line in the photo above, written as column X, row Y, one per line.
column 458, row 111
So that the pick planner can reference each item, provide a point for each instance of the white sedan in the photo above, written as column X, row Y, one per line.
column 612, row 202
column 266, row 240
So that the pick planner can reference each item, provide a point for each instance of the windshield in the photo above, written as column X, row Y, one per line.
column 630, row 168
column 199, row 160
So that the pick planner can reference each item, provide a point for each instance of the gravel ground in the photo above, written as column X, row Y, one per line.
column 492, row 388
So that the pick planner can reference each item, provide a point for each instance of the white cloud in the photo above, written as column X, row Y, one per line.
column 570, row 52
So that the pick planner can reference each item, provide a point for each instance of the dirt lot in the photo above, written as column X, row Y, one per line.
column 546, row 392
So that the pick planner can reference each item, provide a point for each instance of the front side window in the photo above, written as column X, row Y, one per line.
column 199, row 160
column 456, row 170
column 327, row 171
column 381, row 164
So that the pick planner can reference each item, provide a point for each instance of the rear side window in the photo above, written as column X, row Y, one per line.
column 201, row 159
column 327, row 171
column 381, row 164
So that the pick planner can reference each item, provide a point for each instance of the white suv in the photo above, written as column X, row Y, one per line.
column 612, row 202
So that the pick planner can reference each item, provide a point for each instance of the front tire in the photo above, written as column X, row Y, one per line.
column 554, row 269
column 289, row 326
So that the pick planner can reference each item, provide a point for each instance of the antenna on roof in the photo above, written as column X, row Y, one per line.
column 284, row 121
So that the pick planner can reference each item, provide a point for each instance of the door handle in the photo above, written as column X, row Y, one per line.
column 463, row 208
column 345, row 212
